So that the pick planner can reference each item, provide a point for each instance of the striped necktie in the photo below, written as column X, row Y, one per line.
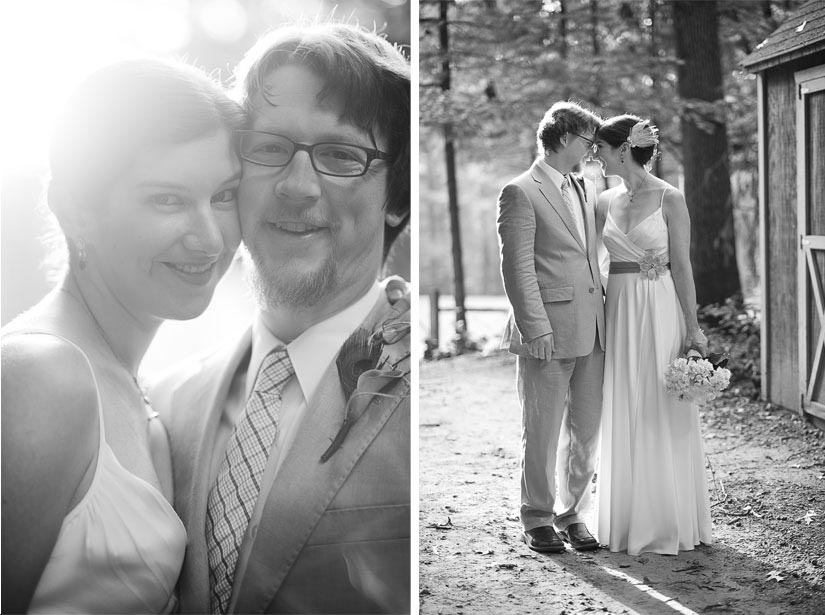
column 232, row 498
column 575, row 208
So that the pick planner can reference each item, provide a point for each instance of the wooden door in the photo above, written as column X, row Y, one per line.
column 810, row 123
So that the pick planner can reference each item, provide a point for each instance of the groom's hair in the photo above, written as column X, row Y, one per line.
column 563, row 118
column 368, row 75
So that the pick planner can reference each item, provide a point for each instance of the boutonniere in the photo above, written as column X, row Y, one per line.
column 366, row 369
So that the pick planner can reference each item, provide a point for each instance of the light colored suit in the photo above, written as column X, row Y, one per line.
column 551, row 277
column 333, row 537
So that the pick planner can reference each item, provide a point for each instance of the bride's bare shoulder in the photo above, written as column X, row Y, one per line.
column 48, row 387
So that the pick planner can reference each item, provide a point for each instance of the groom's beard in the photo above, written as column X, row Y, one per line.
column 278, row 287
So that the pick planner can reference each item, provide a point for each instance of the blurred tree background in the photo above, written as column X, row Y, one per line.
column 673, row 62
column 49, row 46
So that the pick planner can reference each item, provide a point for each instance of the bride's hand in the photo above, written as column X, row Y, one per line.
column 696, row 339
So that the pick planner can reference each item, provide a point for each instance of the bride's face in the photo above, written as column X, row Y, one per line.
column 169, row 228
column 607, row 157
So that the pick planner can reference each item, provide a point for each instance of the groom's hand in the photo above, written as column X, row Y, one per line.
column 542, row 347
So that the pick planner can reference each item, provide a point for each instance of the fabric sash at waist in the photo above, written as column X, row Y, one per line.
column 628, row 267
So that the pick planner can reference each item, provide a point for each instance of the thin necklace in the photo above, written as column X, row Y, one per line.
column 631, row 192
column 102, row 334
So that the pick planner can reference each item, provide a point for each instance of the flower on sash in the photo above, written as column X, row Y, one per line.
column 697, row 379
column 368, row 366
column 653, row 265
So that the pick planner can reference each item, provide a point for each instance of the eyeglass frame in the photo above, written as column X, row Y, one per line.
column 372, row 154
column 591, row 143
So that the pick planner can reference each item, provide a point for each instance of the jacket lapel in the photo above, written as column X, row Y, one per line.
column 201, row 426
column 553, row 196
column 304, row 487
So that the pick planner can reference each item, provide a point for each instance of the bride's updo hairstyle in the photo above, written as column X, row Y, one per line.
column 617, row 130
column 124, row 108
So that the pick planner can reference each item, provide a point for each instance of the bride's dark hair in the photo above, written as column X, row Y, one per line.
column 616, row 130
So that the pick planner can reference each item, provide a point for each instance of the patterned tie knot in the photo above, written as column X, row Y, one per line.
column 276, row 369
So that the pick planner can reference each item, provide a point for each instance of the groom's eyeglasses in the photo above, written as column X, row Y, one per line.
column 336, row 159
column 591, row 144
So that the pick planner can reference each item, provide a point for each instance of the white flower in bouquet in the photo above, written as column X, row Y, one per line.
column 695, row 379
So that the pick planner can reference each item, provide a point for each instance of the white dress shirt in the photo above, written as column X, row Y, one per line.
column 578, row 215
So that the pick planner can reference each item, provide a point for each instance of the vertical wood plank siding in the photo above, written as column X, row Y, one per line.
column 782, row 240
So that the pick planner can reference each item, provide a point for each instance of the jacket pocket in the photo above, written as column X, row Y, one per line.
column 559, row 293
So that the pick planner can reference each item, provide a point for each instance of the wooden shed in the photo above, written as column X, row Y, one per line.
column 790, row 67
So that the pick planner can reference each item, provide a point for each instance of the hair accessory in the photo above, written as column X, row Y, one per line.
column 81, row 253
column 643, row 134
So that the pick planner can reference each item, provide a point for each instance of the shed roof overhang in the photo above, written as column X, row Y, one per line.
column 801, row 35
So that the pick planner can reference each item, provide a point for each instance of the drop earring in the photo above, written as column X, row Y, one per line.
column 81, row 253
column 621, row 158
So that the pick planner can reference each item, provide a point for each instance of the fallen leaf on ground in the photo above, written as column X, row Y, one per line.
column 447, row 525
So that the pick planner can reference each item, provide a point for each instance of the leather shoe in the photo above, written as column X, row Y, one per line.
column 578, row 537
column 543, row 539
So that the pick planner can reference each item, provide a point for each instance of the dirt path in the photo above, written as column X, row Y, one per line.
column 769, row 527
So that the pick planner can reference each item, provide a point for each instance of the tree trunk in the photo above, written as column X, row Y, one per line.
column 452, row 190
column 653, row 51
column 705, row 152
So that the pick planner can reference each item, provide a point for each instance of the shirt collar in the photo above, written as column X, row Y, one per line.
column 313, row 350
column 555, row 176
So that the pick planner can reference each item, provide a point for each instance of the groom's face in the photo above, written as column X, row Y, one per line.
column 583, row 144
column 315, row 240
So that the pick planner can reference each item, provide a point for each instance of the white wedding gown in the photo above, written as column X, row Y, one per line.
column 652, row 488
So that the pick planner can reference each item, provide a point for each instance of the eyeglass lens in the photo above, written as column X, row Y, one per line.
column 331, row 158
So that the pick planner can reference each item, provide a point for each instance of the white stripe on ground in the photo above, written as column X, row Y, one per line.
column 674, row 604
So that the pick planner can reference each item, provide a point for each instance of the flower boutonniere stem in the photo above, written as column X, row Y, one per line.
column 360, row 353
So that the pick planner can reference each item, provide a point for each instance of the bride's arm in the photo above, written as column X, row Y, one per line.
column 49, row 442
column 678, row 225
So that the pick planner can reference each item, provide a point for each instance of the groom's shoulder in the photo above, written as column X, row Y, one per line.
column 522, row 179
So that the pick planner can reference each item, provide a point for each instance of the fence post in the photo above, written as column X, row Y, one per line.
column 434, row 297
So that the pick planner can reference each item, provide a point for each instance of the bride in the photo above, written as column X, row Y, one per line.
column 143, row 184
column 652, row 494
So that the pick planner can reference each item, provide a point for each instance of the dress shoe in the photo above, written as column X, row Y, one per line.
column 543, row 539
column 578, row 537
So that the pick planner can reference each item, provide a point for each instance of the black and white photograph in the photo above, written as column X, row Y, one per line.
column 206, row 364
column 622, row 253
column 219, row 220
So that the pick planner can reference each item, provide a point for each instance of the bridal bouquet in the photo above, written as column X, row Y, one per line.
column 695, row 378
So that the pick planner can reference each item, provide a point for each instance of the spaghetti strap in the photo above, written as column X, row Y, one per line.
column 609, row 203
column 662, row 201
column 101, row 429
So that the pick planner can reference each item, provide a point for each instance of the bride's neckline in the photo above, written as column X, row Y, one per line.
column 635, row 226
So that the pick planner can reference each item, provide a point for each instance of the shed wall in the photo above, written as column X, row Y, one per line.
column 780, row 323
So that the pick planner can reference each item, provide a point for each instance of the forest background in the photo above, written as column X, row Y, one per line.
column 489, row 69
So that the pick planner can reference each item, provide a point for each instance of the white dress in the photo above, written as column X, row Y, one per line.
column 119, row 550
column 652, row 491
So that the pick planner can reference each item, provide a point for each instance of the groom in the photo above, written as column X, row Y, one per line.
column 291, row 451
column 547, row 237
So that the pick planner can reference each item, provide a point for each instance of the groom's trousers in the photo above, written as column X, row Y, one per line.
column 561, row 403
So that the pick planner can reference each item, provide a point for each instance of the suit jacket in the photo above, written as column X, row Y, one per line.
column 333, row 537
column 551, row 277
